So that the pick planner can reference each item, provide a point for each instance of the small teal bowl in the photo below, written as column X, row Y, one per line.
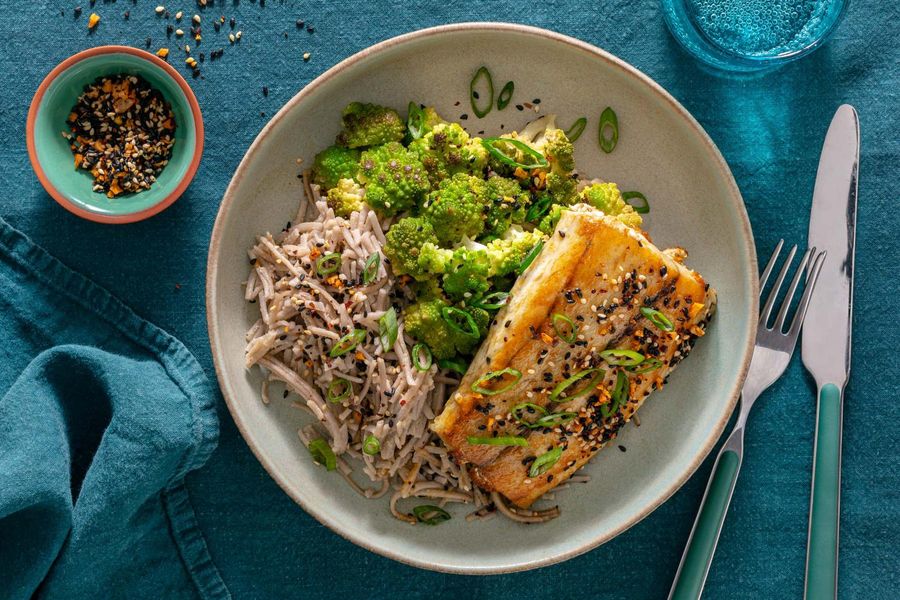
column 52, row 159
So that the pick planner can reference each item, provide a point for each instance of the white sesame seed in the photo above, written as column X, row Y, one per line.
column 178, row 15
column 160, row 9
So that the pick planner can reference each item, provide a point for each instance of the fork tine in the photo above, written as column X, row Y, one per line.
column 773, row 295
column 786, row 303
column 807, row 294
column 768, row 270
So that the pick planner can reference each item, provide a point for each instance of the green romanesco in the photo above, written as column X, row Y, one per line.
column 507, row 253
column 424, row 320
column 333, row 164
column 404, row 242
column 457, row 208
column 507, row 205
column 548, row 223
column 346, row 197
column 464, row 272
column 394, row 178
column 608, row 198
column 369, row 125
column 446, row 149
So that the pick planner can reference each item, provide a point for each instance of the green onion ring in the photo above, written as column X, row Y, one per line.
column 345, row 387
column 619, row 395
column 649, row 364
column 503, row 440
column 657, row 318
column 371, row 445
column 322, row 454
column 482, row 72
column 574, row 132
column 562, row 386
column 428, row 514
column 543, row 462
column 540, row 161
column 453, row 364
column 540, row 208
column 418, row 362
column 328, row 264
column 518, row 408
column 347, row 343
column 529, row 258
column 477, row 387
column 370, row 270
column 623, row 357
column 387, row 329
column 558, row 318
column 609, row 119
column 451, row 313
column 554, row 419
column 505, row 95
column 415, row 121
column 488, row 302
column 642, row 206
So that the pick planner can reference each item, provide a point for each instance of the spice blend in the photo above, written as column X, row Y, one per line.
column 122, row 131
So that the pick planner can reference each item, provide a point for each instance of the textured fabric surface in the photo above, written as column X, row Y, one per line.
column 770, row 130
column 102, row 416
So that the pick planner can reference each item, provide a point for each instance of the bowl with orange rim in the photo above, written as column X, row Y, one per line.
column 50, row 136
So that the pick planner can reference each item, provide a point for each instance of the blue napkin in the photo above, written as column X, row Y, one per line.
column 101, row 417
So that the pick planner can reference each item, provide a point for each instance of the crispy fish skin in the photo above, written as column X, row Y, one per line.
column 598, row 273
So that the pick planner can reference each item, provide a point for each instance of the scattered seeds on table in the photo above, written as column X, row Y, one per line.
column 238, row 35
column 162, row 52
column 179, row 32
column 178, row 15
column 160, row 9
column 307, row 56
column 93, row 20
column 77, row 11
column 231, row 37
column 196, row 19
column 265, row 90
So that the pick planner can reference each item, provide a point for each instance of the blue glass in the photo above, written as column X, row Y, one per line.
column 751, row 35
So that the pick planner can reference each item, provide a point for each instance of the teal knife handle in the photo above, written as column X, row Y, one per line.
column 824, row 511
column 702, row 545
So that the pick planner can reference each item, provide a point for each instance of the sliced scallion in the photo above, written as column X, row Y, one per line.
column 347, row 343
column 623, row 357
column 543, row 462
column 502, row 440
column 415, row 121
column 370, row 270
column 619, row 395
column 529, row 258
column 428, row 514
column 641, row 204
column 479, row 388
column 540, row 208
column 490, row 144
column 371, row 445
column 328, row 264
column 557, row 394
column 338, row 390
column 453, row 364
column 494, row 301
column 475, row 96
column 527, row 407
column 564, row 327
column 574, row 132
column 657, row 318
column 554, row 419
column 608, row 130
column 460, row 321
column 505, row 95
column 387, row 329
column 649, row 364
column 421, row 357
column 323, row 454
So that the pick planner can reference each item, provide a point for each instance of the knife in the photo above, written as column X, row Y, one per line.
column 826, row 341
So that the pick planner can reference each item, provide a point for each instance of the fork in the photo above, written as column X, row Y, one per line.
column 771, row 356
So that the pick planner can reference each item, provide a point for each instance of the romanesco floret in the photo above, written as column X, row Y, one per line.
column 508, row 205
column 608, row 198
column 333, row 164
column 507, row 253
column 558, row 150
column 424, row 321
column 548, row 223
column 434, row 259
column 446, row 149
column 394, row 178
column 467, row 274
column 404, row 242
column 369, row 125
column 457, row 208
column 562, row 188
column 346, row 197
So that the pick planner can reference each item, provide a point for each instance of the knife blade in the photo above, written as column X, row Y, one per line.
column 827, row 340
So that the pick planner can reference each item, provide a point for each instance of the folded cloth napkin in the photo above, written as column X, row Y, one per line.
column 101, row 417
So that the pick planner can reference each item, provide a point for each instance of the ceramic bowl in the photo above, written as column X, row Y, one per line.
column 52, row 159
column 662, row 151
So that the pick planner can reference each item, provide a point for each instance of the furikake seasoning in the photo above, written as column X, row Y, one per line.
column 122, row 131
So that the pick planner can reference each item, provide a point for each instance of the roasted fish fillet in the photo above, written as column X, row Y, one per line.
column 555, row 378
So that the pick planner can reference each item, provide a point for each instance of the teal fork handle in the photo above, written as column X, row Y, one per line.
column 705, row 535
column 824, row 508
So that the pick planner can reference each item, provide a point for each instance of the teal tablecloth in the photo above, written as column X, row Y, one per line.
column 770, row 131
